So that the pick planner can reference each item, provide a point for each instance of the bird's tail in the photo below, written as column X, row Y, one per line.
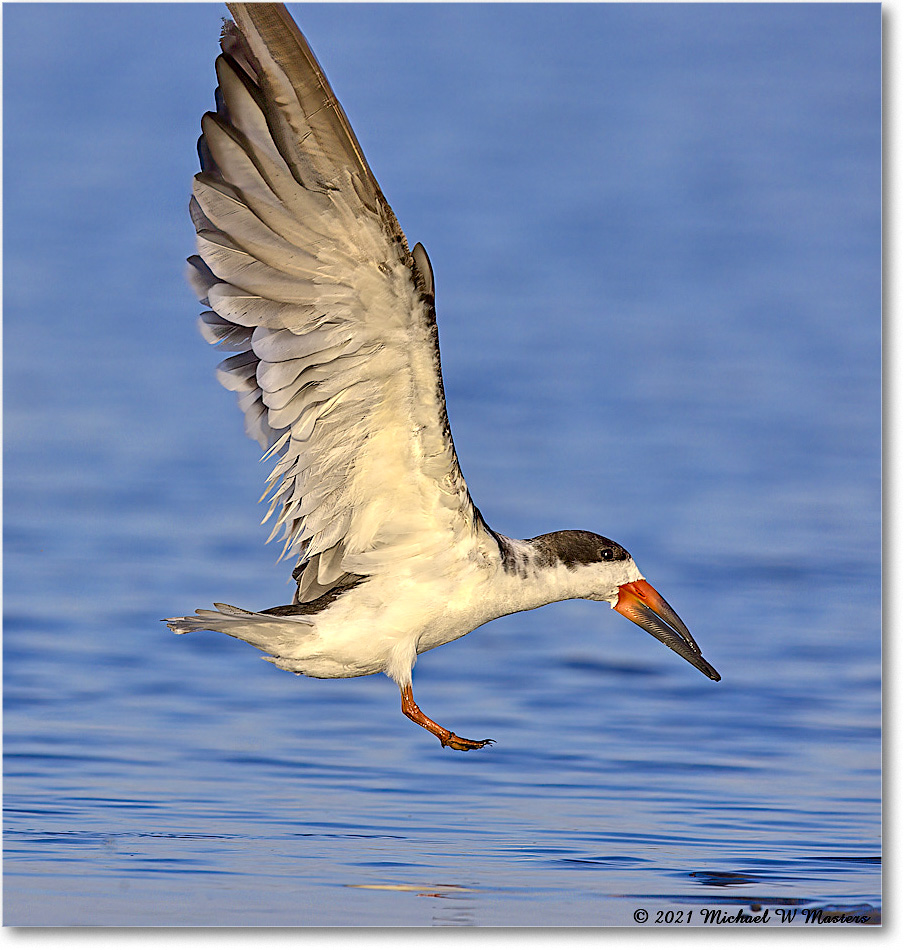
column 272, row 634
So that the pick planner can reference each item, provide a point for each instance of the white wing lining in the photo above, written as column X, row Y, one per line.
column 309, row 280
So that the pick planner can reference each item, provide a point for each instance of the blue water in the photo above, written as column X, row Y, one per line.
column 655, row 235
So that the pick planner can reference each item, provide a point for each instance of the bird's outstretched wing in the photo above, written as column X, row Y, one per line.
column 309, row 279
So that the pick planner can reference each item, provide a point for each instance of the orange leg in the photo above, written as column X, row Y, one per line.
column 410, row 708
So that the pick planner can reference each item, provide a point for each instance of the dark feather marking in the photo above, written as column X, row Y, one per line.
column 575, row 548
column 572, row 549
column 316, row 606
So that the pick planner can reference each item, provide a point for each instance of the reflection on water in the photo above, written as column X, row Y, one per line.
column 673, row 341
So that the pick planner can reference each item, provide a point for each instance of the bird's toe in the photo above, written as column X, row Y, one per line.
column 464, row 745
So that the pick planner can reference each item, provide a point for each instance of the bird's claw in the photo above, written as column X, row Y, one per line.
column 464, row 745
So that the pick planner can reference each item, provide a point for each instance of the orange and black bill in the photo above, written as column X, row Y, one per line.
column 644, row 606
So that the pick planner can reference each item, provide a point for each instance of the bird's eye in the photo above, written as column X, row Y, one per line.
column 606, row 554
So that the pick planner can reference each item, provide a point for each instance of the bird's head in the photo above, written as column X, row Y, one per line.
column 606, row 571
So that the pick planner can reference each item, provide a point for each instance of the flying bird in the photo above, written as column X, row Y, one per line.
column 307, row 277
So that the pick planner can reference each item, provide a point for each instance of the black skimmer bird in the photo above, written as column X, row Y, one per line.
column 309, row 279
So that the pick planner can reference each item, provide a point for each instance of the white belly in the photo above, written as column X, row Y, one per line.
column 381, row 626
